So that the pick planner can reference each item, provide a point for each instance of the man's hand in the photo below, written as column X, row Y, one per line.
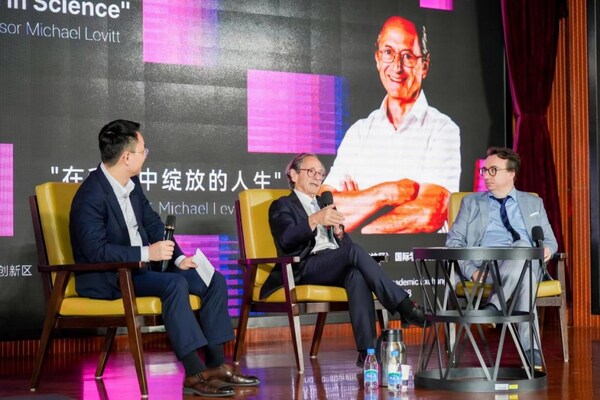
column 547, row 254
column 426, row 213
column 326, row 216
column 187, row 263
column 162, row 250
column 477, row 276
column 359, row 205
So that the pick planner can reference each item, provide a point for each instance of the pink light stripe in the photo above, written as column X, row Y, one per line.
column 447, row 5
column 6, row 190
column 177, row 31
column 292, row 112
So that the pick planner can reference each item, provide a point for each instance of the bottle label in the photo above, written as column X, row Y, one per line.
column 394, row 378
column 371, row 376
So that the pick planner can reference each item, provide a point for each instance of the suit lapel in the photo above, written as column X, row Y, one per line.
column 525, row 206
column 484, row 209
column 298, row 207
column 111, row 198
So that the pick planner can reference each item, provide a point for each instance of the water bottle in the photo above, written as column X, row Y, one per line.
column 390, row 340
column 371, row 371
column 394, row 369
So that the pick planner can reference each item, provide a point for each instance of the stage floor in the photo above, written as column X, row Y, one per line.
column 333, row 375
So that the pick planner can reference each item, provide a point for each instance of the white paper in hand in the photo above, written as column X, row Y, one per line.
column 205, row 268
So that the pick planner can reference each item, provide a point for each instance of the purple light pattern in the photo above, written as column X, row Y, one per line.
column 294, row 112
column 6, row 190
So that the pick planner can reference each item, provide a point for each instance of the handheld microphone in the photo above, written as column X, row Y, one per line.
column 169, row 230
column 327, row 199
column 537, row 234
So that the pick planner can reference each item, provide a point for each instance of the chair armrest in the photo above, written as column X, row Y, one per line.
column 268, row 260
column 559, row 256
column 381, row 257
column 92, row 267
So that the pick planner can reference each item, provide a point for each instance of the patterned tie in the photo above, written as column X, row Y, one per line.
column 504, row 218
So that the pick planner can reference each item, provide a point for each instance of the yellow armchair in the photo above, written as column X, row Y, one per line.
column 50, row 208
column 258, row 256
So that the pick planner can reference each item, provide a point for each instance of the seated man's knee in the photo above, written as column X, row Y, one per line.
column 218, row 282
column 178, row 283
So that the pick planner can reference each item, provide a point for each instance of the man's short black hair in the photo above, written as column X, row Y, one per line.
column 115, row 137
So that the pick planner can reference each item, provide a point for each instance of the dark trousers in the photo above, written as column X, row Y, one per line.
column 352, row 268
column 185, row 332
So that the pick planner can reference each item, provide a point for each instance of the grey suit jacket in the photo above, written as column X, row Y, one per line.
column 472, row 220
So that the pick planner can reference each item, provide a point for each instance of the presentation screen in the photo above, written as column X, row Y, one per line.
column 227, row 92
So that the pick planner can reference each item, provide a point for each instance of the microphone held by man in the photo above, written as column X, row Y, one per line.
column 537, row 235
column 169, row 231
column 327, row 199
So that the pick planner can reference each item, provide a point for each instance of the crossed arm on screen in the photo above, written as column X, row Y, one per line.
column 417, row 208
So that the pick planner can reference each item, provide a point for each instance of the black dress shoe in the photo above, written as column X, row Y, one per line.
column 416, row 316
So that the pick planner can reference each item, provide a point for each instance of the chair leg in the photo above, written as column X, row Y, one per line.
column 40, row 356
column 50, row 320
column 133, row 328
column 241, row 333
column 564, row 330
column 319, row 326
column 108, row 341
column 297, row 340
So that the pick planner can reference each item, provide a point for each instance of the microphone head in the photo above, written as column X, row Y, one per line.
column 327, row 198
column 537, row 234
column 170, row 222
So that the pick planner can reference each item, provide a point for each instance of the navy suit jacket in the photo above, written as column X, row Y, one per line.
column 99, row 233
column 293, row 237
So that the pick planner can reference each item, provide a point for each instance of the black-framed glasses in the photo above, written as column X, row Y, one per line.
column 311, row 172
column 491, row 170
column 407, row 57
column 146, row 151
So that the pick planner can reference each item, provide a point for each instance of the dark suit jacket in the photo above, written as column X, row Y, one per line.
column 293, row 237
column 99, row 232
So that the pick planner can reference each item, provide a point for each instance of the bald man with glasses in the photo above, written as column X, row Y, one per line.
column 404, row 158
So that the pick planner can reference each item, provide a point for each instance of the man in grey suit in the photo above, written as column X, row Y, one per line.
column 505, row 217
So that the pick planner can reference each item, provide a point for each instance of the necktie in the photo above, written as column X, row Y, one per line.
column 504, row 218
column 314, row 207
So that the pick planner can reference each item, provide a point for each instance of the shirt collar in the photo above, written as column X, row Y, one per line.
column 417, row 112
column 512, row 194
column 304, row 198
column 120, row 191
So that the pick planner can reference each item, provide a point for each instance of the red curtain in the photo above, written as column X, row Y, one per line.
column 531, row 37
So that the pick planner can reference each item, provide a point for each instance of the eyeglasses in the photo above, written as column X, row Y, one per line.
column 146, row 151
column 407, row 57
column 311, row 172
column 492, row 170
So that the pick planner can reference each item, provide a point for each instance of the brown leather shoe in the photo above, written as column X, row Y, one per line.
column 228, row 374
column 207, row 387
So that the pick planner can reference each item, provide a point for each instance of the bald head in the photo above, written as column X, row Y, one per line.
column 399, row 24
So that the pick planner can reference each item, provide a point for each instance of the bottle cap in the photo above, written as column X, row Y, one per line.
column 370, row 351
column 392, row 335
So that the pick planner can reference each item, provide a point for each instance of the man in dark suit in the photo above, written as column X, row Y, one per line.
column 303, row 226
column 111, row 220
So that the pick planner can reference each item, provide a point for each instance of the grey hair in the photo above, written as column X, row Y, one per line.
column 295, row 165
